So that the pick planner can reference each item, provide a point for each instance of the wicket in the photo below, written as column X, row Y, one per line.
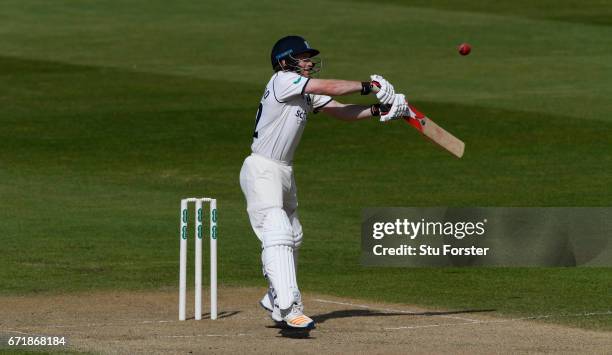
column 198, row 257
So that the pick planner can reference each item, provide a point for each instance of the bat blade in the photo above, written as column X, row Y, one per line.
column 435, row 133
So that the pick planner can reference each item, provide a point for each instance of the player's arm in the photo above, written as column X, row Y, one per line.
column 350, row 112
column 333, row 87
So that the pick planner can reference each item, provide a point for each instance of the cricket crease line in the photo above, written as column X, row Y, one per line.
column 204, row 335
column 161, row 336
column 127, row 321
column 389, row 310
column 587, row 314
column 17, row 331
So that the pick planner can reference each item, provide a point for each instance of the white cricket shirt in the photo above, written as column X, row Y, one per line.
column 282, row 116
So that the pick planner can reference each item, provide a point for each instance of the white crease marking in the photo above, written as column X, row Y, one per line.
column 203, row 335
column 16, row 331
column 503, row 320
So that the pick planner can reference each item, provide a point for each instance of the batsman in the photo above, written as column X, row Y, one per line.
column 266, row 177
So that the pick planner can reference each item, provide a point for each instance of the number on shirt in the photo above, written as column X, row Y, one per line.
column 255, row 134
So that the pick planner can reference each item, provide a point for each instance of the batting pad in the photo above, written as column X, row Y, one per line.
column 280, row 269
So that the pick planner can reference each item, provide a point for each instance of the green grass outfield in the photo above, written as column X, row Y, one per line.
column 111, row 111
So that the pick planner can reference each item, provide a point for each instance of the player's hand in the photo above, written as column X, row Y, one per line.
column 385, row 89
column 399, row 109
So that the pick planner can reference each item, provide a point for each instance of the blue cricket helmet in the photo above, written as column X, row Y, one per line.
column 289, row 47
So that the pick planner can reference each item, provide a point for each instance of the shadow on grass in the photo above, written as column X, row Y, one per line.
column 288, row 332
column 349, row 313
column 225, row 314
column 284, row 331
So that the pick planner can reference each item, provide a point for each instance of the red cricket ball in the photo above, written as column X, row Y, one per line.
column 464, row 49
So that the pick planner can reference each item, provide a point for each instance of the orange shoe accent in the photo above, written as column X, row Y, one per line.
column 300, row 320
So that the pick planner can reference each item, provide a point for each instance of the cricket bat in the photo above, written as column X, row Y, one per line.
column 430, row 129
column 434, row 132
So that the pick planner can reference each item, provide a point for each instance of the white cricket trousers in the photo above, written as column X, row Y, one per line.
column 271, row 195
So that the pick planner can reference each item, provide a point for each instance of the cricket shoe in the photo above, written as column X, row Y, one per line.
column 267, row 303
column 295, row 317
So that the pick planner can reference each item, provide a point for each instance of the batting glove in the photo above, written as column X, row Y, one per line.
column 399, row 109
column 385, row 89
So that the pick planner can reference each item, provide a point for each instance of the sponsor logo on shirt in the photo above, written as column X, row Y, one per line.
column 301, row 115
